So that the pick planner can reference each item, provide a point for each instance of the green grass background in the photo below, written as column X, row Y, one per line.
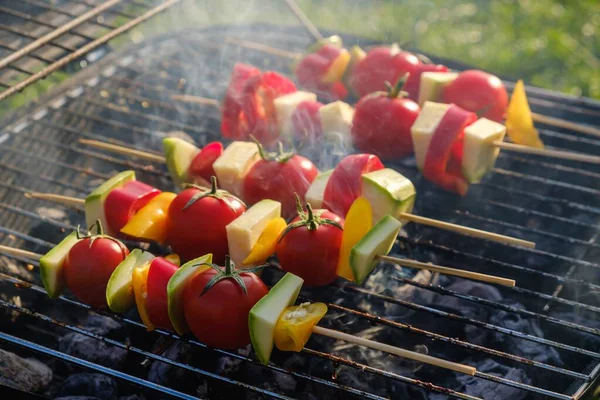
column 553, row 44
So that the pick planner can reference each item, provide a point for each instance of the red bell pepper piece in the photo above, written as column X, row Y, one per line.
column 344, row 185
column 233, row 120
column 444, row 156
column 258, row 108
column 413, row 83
column 318, row 72
column 160, row 272
column 201, row 168
column 122, row 203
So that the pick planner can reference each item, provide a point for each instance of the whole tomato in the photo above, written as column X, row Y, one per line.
column 345, row 183
column 381, row 124
column 197, row 219
column 479, row 92
column 89, row 265
column 382, row 64
column 279, row 176
column 310, row 246
column 217, row 313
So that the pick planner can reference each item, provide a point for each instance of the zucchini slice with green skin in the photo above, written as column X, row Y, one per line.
column 51, row 266
column 179, row 155
column 377, row 242
column 119, row 291
column 264, row 315
column 175, row 290
column 94, row 203
column 389, row 192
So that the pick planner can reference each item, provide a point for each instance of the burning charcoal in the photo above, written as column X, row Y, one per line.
column 169, row 375
column 92, row 349
column 95, row 385
column 227, row 365
column 10, row 267
column 77, row 398
column 23, row 373
column 103, row 325
column 489, row 390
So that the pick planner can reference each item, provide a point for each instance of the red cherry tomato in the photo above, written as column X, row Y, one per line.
column 159, row 274
column 306, row 122
column 313, row 68
column 344, row 184
column 381, row 125
column 311, row 253
column 199, row 228
column 279, row 177
column 259, row 110
column 233, row 122
column 201, row 168
column 413, row 83
column 218, row 317
column 88, row 267
column 479, row 92
column 382, row 64
column 122, row 203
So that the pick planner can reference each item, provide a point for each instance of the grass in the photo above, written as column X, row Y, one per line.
column 553, row 44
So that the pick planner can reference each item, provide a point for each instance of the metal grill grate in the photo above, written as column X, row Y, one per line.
column 45, row 36
column 127, row 98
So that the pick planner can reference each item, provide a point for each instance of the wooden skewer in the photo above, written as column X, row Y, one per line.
column 187, row 98
column 449, row 271
column 20, row 253
column 412, row 355
column 465, row 230
column 58, row 198
column 562, row 123
column 565, row 155
column 411, row 217
column 124, row 150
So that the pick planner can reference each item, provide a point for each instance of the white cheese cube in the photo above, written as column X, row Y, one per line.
column 233, row 165
column 336, row 121
column 424, row 127
column 285, row 107
column 244, row 231
column 479, row 151
column 316, row 191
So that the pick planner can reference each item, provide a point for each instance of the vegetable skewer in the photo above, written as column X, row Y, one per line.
column 551, row 121
column 407, row 216
column 252, row 325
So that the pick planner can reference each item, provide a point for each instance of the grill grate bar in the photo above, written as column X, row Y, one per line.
column 534, row 389
column 27, row 35
column 112, row 11
column 62, row 11
column 546, row 181
column 457, row 342
column 94, row 367
column 136, row 350
column 25, row 285
column 500, row 306
column 415, row 330
column 42, row 177
column 32, row 55
column 470, row 321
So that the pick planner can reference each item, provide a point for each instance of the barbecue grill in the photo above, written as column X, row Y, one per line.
column 540, row 339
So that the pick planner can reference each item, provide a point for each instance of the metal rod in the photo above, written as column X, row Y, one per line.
column 304, row 20
column 56, row 33
column 86, row 48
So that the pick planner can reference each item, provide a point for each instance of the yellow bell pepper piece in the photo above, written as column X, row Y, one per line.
column 295, row 325
column 140, row 290
column 358, row 222
column 337, row 68
column 150, row 222
column 519, row 122
column 266, row 243
column 173, row 259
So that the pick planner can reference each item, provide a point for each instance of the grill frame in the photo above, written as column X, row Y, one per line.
column 35, row 113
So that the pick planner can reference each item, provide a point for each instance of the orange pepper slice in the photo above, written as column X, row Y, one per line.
column 519, row 121
column 173, row 259
column 266, row 243
column 358, row 222
column 150, row 222
column 140, row 290
column 295, row 325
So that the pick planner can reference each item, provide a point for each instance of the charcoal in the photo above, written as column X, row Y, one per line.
column 172, row 376
column 77, row 398
column 85, row 384
column 26, row 374
column 101, row 325
column 92, row 349
column 132, row 397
